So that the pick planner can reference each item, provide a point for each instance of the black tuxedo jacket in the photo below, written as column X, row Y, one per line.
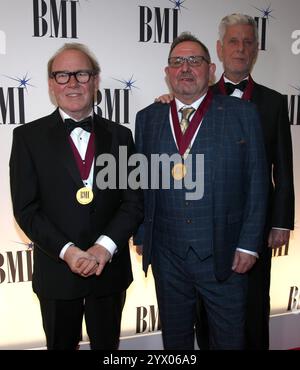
column 44, row 181
column 272, row 108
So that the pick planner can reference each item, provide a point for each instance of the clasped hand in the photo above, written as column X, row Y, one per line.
column 87, row 263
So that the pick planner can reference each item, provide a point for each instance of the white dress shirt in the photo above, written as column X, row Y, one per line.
column 180, row 105
column 80, row 139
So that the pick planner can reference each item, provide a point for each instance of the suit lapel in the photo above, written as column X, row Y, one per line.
column 163, row 119
column 256, row 96
column 159, row 120
column 58, row 139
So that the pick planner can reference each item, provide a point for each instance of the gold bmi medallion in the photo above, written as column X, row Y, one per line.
column 84, row 195
column 179, row 171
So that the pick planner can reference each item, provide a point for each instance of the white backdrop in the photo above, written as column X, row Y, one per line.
column 131, row 40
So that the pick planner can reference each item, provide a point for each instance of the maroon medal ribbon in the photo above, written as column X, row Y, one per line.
column 85, row 165
column 183, row 140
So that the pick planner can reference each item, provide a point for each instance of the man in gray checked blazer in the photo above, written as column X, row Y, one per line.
column 202, row 245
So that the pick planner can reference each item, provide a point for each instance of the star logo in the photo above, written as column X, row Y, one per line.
column 178, row 4
column 29, row 245
column 266, row 13
column 23, row 82
column 128, row 84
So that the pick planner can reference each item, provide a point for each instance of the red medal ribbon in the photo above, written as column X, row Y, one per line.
column 183, row 141
column 85, row 165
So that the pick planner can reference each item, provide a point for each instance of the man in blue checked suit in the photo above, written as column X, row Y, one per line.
column 201, row 245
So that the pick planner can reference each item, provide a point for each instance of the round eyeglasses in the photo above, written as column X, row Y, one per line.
column 63, row 77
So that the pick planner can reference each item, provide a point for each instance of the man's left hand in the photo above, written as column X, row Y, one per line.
column 243, row 262
column 278, row 238
column 102, row 256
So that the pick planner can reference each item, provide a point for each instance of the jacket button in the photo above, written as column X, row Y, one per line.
column 188, row 221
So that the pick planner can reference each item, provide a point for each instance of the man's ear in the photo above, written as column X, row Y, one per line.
column 50, row 84
column 51, row 91
column 97, row 82
column 211, row 72
column 219, row 50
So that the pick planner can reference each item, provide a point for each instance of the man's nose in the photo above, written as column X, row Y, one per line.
column 185, row 66
column 241, row 46
column 73, row 81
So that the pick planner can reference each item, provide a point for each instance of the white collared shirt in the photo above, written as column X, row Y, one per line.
column 180, row 105
column 80, row 139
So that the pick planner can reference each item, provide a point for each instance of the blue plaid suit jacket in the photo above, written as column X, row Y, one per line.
column 240, row 177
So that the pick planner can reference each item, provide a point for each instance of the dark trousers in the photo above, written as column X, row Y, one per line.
column 257, row 308
column 258, row 303
column 62, row 321
column 178, row 281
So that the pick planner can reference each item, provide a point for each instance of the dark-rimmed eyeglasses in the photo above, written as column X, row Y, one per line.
column 192, row 60
column 63, row 77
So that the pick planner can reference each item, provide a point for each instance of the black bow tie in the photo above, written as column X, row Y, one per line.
column 231, row 87
column 85, row 124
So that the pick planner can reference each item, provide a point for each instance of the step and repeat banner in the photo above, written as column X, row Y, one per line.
column 131, row 40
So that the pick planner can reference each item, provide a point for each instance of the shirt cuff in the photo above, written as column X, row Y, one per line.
column 64, row 249
column 107, row 243
column 255, row 254
column 280, row 228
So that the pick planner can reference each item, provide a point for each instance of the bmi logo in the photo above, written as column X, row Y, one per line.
column 262, row 25
column 12, row 109
column 282, row 251
column 158, row 25
column 293, row 102
column 147, row 319
column 55, row 18
column 294, row 299
column 113, row 104
column 262, row 31
column 16, row 266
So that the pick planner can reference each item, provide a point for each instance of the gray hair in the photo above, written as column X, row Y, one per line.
column 236, row 19
column 187, row 36
column 79, row 47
